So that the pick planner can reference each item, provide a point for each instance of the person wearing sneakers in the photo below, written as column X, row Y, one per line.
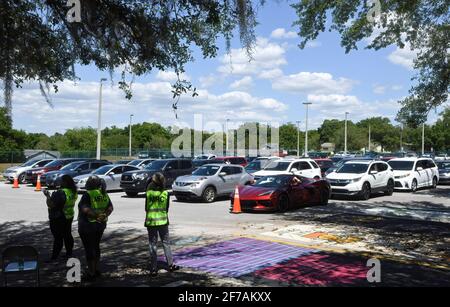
column 94, row 208
column 61, row 205
column 157, row 222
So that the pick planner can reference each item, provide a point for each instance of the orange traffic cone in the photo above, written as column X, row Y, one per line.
column 38, row 184
column 236, row 202
column 16, row 183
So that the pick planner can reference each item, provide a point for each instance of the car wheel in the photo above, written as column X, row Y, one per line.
column 435, row 182
column 131, row 194
column 22, row 179
column 390, row 188
column 324, row 197
column 283, row 203
column 365, row 192
column 209, row 194
column 414, row 186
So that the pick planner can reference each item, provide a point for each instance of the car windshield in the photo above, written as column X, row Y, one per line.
column 203, row 157
column 103, row 170
column 156, row 165
column 135, row 162
column 401, row 165
column 272, row 181
column 277, row 166
column 353, row 168
column 443, row 165
column 71, row 166
column 207, row 170
column 30, row 163
column 255, row 165
column 55, row 163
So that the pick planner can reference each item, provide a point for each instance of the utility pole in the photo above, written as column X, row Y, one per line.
column 298, row 139
column 401, row 138
column 227, row 140
column 99, row 121
column 369, row 137
column 345, row 136
column 306, row 128
column 129, row 142
column 423, row 138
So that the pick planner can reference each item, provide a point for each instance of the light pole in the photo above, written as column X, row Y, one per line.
column 369, row 137
column 345, row 135
column 298, row 139
column 306, row 128
column 423, row 138
column 129, row 141
column 226, row 129
column 401, row 138
column 99, row 120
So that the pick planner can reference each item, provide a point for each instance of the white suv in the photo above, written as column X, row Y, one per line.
column 362, row 178
column 413, row 173
column 302, row 167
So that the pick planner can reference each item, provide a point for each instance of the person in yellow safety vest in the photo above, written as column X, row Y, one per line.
column 94, row 208
column 157, row 222
column 60, row 206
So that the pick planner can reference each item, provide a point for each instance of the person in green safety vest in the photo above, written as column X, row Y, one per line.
column 94, row 208
column 60, row 206
column 157, row 222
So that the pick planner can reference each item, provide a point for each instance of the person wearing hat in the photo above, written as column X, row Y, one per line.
column 94, row 208
column 157, row 222
column 61, row 205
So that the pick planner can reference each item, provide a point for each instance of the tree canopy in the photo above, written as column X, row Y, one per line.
column 423, row 26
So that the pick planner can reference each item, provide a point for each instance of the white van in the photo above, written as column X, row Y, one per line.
column 307, row 168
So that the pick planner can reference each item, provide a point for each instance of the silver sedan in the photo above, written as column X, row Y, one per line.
column 210, row 181
column 109, row 173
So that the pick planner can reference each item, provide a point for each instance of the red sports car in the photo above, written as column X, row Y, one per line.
column 282, row 192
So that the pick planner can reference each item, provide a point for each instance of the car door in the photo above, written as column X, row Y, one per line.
column 297, row 193
column 429, row 164
column 236, row 176
column 305, row 170
column 227, row 179
column 421, row 173
column 112, row 178
column 374, row 176
column 171, row 171
column 383, row 174
column 83, row 169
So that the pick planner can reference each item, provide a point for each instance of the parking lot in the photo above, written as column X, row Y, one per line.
column 409, row 232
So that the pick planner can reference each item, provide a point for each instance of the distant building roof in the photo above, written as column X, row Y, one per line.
column 33, row 153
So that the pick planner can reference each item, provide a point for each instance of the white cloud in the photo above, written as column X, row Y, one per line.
column 170, row 76
column 379, row 89
column 313, row 83
column 265, row 56
column 404, row 57
column 281, row 33
column 244, row 83
column 270, row 74
column 76, row 106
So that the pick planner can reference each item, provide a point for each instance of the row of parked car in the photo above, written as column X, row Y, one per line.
column 209, row 177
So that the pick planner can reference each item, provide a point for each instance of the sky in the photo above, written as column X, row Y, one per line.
column 268, row 89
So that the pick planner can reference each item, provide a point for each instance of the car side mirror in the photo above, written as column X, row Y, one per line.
column 168, row 168
column 222, row 174
column 419, row 169
column 373, row 172
column 112, row 173
column 294, row 170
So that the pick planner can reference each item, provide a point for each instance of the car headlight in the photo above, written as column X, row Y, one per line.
column 403, row 176
column 356, row 179
column 265, row 193
column 140, row 176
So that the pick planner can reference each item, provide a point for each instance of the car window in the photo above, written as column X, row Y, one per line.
column 382, row 167
column 374, row 167
column 117, row 170
column 237, row 170
column 83, row 167
column 128, row 168
column 185, row 164
column 173, row 164
column 42, row 163
column 304, row 165
column 227, row 169
column 419, row 164
column 295, row 165
column 430, row 164
column 146, row 162
column 95, row 165
column 314, row 164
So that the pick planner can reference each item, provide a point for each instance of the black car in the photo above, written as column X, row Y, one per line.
column 52, row 179
column 199, row 162
column 444, row 171
column 137, row 181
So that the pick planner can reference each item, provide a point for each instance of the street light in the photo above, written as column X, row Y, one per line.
column 298, row 139
column 369, row 137
column 129, row 143
column 423, row 138
column 345, row 137
column 226, row 129
column 306, row 128
column 99, row 120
